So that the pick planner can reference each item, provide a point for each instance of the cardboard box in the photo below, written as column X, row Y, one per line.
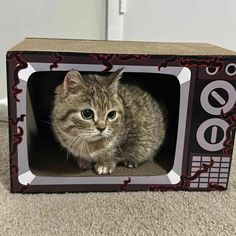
column 196, row 82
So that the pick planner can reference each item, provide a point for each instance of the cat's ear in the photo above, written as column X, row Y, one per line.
column 73, row 82
column 114, row 79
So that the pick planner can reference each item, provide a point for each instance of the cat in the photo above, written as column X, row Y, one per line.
column 103, row 122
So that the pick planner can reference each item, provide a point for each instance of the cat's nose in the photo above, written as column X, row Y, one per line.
column 100, row 128
column 100, row 125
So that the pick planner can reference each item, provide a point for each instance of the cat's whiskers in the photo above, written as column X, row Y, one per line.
column 67, row 155
column 111, row 150
column 82, row 141
column 107, row 133
column 108, row 138
column 87, row 148
column 74, row 140
column 78, row 141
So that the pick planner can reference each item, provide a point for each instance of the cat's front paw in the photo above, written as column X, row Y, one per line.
column 104, row 169
column 130, row 164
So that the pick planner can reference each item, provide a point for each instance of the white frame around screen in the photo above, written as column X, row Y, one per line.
column 26, row 176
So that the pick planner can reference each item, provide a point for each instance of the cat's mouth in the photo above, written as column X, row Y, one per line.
column 99, row 135
column 96, row 138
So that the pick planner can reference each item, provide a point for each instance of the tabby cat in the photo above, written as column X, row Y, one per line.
column 103, row 122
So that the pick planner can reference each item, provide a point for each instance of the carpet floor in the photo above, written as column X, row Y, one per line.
column 124, row 213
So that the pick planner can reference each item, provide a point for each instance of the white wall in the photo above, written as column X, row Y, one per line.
column 83, row 19
column 210, row 21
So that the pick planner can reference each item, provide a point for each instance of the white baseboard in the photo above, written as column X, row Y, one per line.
column 3, row 110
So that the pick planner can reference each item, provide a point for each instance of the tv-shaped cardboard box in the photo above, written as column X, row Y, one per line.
column 195, row 81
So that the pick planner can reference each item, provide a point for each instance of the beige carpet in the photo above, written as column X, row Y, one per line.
column 126, row 213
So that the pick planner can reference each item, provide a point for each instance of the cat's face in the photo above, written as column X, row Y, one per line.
column 88, row 109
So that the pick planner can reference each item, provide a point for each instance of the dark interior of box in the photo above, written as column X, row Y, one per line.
column 47, row 157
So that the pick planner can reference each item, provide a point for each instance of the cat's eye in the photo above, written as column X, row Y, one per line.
column 87, row 114
column 111, row 115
